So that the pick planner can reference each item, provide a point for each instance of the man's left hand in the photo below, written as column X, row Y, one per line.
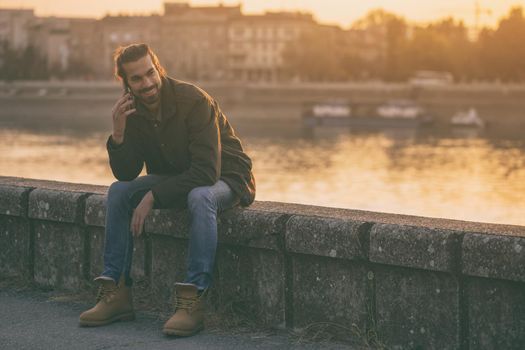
column 140, row 213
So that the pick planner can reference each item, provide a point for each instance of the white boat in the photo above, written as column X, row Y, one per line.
column 331, row 113
column 393, row 114
column 340, row 110
column 468, row 118
column 404, row 109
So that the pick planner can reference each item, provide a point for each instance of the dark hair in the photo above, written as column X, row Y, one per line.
column 132, row 53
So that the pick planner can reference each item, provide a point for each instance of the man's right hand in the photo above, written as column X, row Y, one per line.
column 120, row 114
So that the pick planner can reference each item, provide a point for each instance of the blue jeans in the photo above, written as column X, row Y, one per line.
column 204, row 203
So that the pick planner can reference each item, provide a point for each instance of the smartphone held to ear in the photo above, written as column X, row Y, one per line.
column 130, row 97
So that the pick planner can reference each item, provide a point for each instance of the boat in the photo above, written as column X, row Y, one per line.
column 470, row 119
column 392, row 114
column 332, row 113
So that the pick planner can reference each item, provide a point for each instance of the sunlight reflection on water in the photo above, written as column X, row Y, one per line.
column 461, row 178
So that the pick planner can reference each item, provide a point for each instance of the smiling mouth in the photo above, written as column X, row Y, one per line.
column 150, row 92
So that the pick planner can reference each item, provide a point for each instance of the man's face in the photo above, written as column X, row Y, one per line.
column 143, row 79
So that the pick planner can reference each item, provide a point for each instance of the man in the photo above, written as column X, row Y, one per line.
column 193, row 159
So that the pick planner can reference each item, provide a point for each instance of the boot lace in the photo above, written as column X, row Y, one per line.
column 104, row 291
column 188, row 302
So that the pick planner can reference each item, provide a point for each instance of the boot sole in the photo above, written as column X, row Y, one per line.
column 182, row 332
column 123, row 317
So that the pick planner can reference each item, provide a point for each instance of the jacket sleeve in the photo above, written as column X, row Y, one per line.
column 205, row 161
column 125, row 161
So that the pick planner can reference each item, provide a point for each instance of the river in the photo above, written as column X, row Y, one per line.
column 458, row 175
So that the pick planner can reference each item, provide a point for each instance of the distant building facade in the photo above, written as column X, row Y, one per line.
column 124, row 30
column 13, row 30
column 257, row 43
column 193, row 42
column 13, row 27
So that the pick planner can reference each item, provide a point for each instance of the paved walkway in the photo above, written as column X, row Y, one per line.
column 40, row 320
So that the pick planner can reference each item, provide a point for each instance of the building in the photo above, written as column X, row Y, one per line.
column 257, row 43
column 195, row 40
column 14, row 33
column 50, row 37
column 203, row 43
column 14, row 25
column 117, row 31
column 85, row 48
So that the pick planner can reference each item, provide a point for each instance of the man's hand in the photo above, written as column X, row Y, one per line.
column 120, row 112
column 140, row 213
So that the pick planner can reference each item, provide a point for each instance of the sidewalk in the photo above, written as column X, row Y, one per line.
column 46, row 320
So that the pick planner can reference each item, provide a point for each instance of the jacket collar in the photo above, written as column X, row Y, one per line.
column 167, row 99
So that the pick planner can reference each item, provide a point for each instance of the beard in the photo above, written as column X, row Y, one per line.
column 150, row 94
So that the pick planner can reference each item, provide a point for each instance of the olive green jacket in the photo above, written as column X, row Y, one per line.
column 194, row 143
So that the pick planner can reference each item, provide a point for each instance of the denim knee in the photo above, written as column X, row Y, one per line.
column 200, row 197
column 118, row 192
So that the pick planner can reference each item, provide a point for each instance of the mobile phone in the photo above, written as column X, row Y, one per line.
column 127, row 90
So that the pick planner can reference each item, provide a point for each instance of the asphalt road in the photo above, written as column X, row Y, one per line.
column 45, row 320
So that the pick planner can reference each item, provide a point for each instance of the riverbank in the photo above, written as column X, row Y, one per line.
column 500, row 105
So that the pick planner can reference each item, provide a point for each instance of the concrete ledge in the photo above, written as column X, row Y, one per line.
column 95, row 214
column 330, row 290
column 325, row 236
column 252, row 280
column 245, row 227
column 59, row 255
column 413, row 282
column 15, row 246
column 495, row 314
column 418, row 247
column 250, row 266
column 417, row 309
column 13, row 200
column 95, row 240
column 252, row 228
column 53, row 205
column 494, row 256
column 168, row 266
column 167, row 222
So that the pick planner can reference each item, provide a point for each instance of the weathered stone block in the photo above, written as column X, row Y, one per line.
column 330, row 237
column 169, row 222
column 329, row 290
column 417, row 309
column 251, row 281
column 494, row 256
column 95, row 213
column 61, row 206
column 252, row 228
column 59, row 255
column 411, row 246
column 168, row 266
column 96, row 252
column 14, row 246
column 245, row 227
column 13, row 200
column 496, row 313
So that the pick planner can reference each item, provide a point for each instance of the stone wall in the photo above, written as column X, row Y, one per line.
column 412, row 282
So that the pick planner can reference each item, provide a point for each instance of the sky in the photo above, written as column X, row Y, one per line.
column 342, row 12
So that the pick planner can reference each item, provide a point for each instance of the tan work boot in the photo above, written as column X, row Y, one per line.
column 189, row 316
column 114, row 303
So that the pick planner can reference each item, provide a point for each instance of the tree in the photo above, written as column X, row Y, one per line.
column 441, row 46
column 22, row 64
column 502, row 50
column 315, row 56
column 386, row 34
